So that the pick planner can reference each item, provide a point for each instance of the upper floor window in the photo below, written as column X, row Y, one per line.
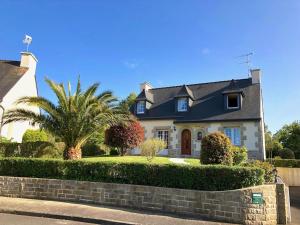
column 140, row 107
column 182, row 105
column 234, row 134
column 163, row 135
column 233, row 101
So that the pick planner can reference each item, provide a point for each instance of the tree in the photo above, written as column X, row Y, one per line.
column 127, row 103
column 151, row 146
column 273, row 146
column 289, row 137
column 124, row 136
column 75, row 117
column 34, row 136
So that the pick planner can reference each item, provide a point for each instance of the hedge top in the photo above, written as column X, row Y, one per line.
column 292, row 163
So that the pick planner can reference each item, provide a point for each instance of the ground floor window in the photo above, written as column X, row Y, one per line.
column 234, row 134
column 163, row 135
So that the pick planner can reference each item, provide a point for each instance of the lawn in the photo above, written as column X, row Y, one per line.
column 141, row 159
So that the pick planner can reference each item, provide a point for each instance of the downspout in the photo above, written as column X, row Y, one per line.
column 1, row 121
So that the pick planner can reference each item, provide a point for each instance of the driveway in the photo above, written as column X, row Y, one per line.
column 295, row 205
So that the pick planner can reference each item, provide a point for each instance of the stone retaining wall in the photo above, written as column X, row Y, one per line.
column 290, row 176
column 231, row 206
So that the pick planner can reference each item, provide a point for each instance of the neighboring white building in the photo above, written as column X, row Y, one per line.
column 17, row 79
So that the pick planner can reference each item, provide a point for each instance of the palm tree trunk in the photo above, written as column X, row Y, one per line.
column 72, row 153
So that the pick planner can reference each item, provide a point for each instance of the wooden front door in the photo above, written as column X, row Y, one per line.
column 186, row 142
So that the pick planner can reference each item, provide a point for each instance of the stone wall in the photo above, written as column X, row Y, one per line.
column 231, row 206
column 290, row 176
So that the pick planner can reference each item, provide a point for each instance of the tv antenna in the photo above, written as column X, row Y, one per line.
column 27, row 41
column 246, row 60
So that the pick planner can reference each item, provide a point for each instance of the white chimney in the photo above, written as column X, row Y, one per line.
column 28, row 60
column 256, row 76
column 145, row 86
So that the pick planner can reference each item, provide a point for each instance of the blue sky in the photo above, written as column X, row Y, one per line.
column 121, row 43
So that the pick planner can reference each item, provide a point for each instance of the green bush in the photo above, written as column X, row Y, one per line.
column 39, row 149
column 292, row 163
column 215, row 149
column 92, row 149
column 34, row 136
column 266, row 166
column 4, row 140
column 113, row 152
column 210, row 177
column 287, row 154
column 239, row 155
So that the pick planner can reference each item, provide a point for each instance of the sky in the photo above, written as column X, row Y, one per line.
column 122, row 43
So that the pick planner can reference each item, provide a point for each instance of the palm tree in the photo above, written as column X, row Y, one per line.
column 75, row 117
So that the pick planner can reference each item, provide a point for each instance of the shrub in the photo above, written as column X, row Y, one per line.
column 239, row 155
column 292, row 163
column 4, row 140
column 287, row 154
column 92, row 149
column 124, row 136
column 151, row 147
column 215, row 149
column 266, row 166
column 209, row 177
column 34, row 136
column 114, row 151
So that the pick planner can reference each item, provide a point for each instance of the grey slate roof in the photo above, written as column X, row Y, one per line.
column 10, row 73
column 208, row 104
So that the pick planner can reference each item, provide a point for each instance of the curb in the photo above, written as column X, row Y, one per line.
column 66, row 217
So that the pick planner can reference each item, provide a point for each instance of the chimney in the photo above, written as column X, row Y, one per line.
column 28, row 60
column 256, row 76
column 145, row 86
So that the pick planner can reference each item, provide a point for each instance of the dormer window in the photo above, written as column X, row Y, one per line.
column 140, row 107
column 182, row 105
column 233, row 101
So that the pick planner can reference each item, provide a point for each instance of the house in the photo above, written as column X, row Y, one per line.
column 183, row 115
column 17, row 79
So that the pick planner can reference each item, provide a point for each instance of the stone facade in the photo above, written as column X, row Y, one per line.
column 252, row 136
column 231, row 206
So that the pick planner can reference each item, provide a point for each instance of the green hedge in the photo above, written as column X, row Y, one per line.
column 292, row 163
column 210, row 177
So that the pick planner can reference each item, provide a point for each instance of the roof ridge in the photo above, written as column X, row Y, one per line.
column 213, row 82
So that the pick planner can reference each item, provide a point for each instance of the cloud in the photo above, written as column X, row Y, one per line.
column 130, row 64
column 205, row 51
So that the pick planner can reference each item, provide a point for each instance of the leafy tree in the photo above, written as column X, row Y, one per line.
column 150, row 147
column 124, row 136
column 74, row 119
column 289, row 137
column 34, row 136
column 273, row 146
column 127, row 103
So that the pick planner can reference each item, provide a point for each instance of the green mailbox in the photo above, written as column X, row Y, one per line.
column 257, row 198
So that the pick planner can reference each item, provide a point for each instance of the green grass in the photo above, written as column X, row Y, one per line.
column 193, row 162
column 141, row 159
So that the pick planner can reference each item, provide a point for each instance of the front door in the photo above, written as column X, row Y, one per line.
column 186, row 142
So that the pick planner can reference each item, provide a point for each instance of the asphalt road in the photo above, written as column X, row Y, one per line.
column 295, row 205
column 10, row 219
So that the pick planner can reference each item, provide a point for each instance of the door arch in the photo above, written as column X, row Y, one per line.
column 186, row 142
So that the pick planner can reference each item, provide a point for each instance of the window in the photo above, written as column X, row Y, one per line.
column 163, row 135
column 232, row 101
column 182, row 105
column 234, row 134
column 199, row 135
column 140, row 107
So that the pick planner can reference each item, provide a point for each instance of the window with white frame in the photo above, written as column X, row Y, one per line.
column 234, row 134
column 163, row 135
column 182, row 105
column 140, row 107
column 233, row 101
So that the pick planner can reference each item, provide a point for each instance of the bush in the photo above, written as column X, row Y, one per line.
column 34, row 136
column 266, row 166
column 114, row 151
column 4, row 140
column 292, row 163
column 92, row 149
column 239, row 155
column 210, row 177
column 287, row 154
column 215, row 149
column 151, row 147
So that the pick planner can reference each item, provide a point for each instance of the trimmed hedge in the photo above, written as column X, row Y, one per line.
column 292, row 163
column 210, row 177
